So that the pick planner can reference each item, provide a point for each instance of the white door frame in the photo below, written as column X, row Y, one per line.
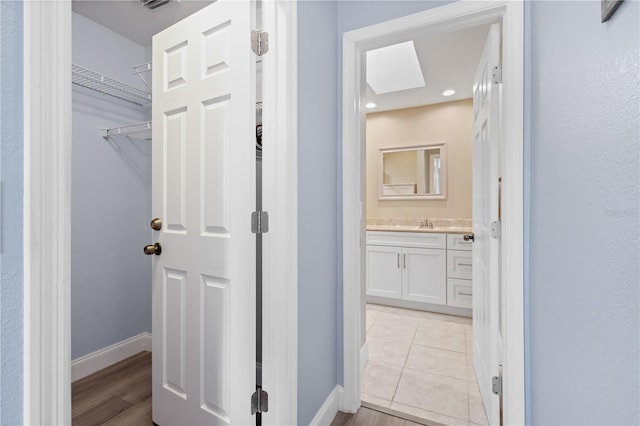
column 47, row 212
column 355, row 43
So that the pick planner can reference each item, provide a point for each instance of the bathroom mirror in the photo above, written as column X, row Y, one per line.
column 413, row 172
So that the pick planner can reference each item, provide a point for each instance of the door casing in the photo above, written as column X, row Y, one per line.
column 47, row 212
column 355, row 44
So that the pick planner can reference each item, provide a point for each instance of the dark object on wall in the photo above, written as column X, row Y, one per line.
column 259, row 137
column 608, row 8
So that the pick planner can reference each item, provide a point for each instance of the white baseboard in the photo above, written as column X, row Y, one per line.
column 364, row 355
column 329, row 408
column 102, row 358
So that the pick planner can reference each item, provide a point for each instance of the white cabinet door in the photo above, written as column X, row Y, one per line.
column 383, row 271
column 204, row 190
column 424, row 275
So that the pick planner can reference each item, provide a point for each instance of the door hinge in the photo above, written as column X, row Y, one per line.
column 259, row 42
column 259, row 402
column 259, row 222
column 496, row 229
column 496, row 385
column 497, row 74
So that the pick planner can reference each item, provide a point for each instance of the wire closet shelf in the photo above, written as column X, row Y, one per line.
column 138, row 131
column 106, row 85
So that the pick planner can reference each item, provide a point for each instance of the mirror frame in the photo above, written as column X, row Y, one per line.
column 443, row 168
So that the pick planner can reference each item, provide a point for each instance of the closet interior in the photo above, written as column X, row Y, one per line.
column 111, row 281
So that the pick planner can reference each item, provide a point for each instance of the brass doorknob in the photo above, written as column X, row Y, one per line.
column 153, row 249
column 156, row 224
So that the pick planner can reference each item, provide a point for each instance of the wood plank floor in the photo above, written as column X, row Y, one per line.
column 119, row 395
column 368, row 417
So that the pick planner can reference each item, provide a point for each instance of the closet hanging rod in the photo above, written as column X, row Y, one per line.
column 89, row 79
column 137, row 130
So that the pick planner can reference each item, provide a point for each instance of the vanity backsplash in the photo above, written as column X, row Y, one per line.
column 437, row 222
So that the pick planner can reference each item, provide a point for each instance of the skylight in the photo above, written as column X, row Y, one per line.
column 394, row 68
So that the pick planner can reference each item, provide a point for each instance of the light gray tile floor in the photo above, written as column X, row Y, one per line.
column 421, row 363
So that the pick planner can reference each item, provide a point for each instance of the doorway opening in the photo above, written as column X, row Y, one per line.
column 434, row 23
column 419, row 167
column 48, row 109
column 183, row 184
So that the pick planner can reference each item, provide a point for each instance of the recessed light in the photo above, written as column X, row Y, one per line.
column 449, row 92
column 371, row 105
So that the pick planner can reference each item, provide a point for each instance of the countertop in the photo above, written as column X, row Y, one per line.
column 404, row 228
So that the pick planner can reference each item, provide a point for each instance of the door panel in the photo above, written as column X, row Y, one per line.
column 485, row 249
column 173, row 350
column 204, row 190
column 215, row 214
column 174, row 129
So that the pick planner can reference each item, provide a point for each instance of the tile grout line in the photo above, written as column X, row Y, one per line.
column 404, row 364
column 413, row 344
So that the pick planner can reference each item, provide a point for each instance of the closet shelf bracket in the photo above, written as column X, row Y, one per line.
column 139, row 70
column 138, row 131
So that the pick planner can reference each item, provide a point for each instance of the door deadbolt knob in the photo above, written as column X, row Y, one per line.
column 153, row 249
column 156, row 224
column 469, row 237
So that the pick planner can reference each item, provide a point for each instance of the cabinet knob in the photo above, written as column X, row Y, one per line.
column 469, row 237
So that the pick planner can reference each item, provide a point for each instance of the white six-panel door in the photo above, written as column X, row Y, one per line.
column 204, row 192
column 486, row 134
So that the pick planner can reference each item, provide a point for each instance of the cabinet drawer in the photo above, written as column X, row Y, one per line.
column 459, row 264
column 407, row 239
column 459, row 293
column 457, row 242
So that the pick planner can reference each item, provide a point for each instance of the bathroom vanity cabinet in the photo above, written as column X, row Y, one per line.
column 429, row 271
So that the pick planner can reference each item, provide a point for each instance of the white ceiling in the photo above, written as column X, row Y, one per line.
column 448, row 61
column 130, row 19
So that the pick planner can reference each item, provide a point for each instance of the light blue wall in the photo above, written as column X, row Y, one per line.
column 317, row 227
column 357, row 14
column 584, row 159
column 111, row 200
column 11, row 171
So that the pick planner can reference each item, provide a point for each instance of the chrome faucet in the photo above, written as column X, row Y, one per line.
column 426, row 223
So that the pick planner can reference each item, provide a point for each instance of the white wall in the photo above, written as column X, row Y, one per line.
column 110, row 200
